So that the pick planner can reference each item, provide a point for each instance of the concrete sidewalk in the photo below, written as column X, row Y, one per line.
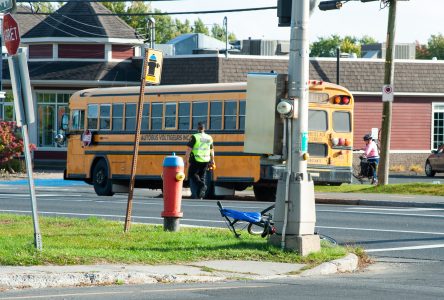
column 205, row 271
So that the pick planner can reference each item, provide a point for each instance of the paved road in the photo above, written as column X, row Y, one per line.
column 407, row 243
column 382, row 231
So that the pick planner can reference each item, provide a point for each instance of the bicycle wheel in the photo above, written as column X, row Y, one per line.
column 255, row 229
column 328, row 239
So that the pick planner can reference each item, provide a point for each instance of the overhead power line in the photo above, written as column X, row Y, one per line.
column 157, row 13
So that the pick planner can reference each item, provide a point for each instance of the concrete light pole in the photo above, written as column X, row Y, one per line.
column 295, row 214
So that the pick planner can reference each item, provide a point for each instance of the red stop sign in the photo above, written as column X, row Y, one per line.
column 11, row 34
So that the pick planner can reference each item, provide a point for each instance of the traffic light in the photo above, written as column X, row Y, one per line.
column 329, row 5
column 284, row 12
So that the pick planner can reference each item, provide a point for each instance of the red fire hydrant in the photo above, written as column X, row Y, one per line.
column 173, row 176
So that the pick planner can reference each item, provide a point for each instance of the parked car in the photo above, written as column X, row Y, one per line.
column 435, row 162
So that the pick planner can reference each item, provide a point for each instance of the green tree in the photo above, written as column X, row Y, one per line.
column 218, row 32
column 200, row 27
column 422, row 51
column 326, row 47
column 436, row 46
column 165, row 28
column 183, row 28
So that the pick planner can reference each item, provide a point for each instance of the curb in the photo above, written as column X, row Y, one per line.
column 341, row 265
column 44, row 279
column 378, row 203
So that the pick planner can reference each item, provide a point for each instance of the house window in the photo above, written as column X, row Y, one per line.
column 93, row 51
column 51, row 107
column 438, row 125
column 40, row 51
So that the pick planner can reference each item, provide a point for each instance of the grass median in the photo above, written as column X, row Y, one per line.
column 68, row 241
column 403, row 189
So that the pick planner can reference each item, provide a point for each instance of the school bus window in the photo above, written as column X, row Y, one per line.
column 341, row 121
column 130, row 116
column 117, row 116
column 200, row 113
column 317, row 120
column 105, row 116
column 78, row 119
column 145, row 116
column 156, row 116
column 93, row 115
column 230, row 114
column 317, row 150
column 184, row 116
column 242, row 115
column 170, row 115
column 216, row 115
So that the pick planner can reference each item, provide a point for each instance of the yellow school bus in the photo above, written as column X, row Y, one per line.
column 102, row 124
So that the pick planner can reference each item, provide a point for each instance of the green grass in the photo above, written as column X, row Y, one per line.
column 405, row 189
column 91, row 241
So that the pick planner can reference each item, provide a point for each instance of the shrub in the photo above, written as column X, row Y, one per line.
column 11, row 144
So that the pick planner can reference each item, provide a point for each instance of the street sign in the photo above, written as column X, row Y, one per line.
column 387, row 93
column 154, row 69
column 7, row 6
column 11, row 34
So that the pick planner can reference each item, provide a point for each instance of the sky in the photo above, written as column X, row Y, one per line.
column 416, row 20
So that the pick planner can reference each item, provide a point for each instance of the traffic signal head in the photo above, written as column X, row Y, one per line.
column 329, row 5
column 284, row 12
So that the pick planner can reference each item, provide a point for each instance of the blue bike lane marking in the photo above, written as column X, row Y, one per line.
column 45, row 182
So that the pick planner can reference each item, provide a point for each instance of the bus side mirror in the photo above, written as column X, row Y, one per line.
column 65, row 122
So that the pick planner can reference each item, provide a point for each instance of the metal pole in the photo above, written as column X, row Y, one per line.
column 35, row 217
column 389, row 74
column 136, row 144
column 338, row 57
column 226, row 36
column 301, row 205
column 152, row 25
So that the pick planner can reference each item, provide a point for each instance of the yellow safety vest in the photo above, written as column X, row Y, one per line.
column 201, row 149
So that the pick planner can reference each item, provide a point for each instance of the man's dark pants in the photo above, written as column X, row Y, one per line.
column 196, row 174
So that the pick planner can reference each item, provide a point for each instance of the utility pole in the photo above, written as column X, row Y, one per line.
column 295, row 215
column 226, row 36
column 389, row 74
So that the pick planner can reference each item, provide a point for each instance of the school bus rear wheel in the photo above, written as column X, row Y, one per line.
column 101, row 181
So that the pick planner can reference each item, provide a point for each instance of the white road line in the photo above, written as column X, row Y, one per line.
column 382, row 230
column 379, row 213
column 38, row 195
column 103, row 215
column 397, row 209
column 406, row 248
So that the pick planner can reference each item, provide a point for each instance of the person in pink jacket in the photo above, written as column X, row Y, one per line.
column 372, row 154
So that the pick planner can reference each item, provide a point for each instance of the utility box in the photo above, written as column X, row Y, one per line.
column 263, row 124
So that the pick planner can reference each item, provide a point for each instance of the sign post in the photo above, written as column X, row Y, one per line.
column 151, row 71
column 23, row 106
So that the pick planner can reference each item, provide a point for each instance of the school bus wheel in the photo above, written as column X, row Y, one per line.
column 102, row 183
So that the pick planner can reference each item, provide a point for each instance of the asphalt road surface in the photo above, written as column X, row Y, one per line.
column 407, row 245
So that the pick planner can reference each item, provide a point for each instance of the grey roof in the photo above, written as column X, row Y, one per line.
column 81, row 71
column 26, row 22
column 89, row 25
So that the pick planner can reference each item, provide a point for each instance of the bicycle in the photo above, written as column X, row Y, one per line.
column 256, row 222
column 365, row 170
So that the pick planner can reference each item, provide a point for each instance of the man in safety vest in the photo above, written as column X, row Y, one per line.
column 199, row 154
